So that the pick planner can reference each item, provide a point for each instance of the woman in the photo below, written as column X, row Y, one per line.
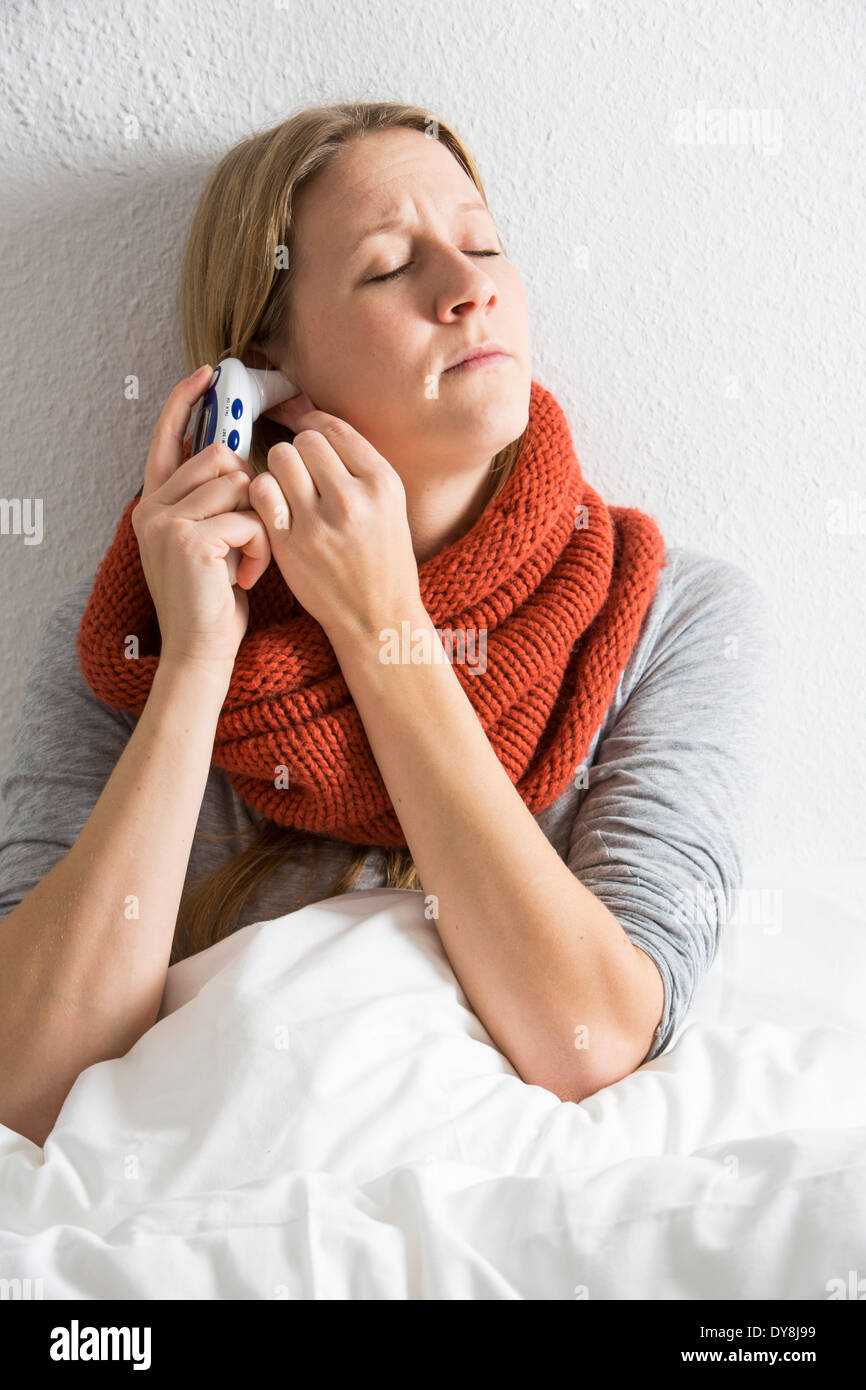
column 572, row 806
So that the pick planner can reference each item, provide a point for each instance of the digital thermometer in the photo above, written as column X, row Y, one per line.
column 235, row 399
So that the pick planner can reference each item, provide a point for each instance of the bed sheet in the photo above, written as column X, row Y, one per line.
column 319, row 1114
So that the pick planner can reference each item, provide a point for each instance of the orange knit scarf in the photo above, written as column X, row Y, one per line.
column 549, row 582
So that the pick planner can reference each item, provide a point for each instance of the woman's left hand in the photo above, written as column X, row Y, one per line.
column 335, row 513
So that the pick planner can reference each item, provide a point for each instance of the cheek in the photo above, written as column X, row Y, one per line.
column 513, row 290
column 515, row 314
column 336, row 353
column 362, row 359
column 387, row 322
column 387, row 340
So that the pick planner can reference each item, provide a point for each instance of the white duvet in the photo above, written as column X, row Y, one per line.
column 318, row 1114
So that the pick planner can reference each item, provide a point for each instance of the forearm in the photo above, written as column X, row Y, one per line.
column 544, row 964
column 84, row 957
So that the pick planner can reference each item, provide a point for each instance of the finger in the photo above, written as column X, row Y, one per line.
column 292, row 473
column 309, row 470
column 245, row 532
column 213, row 496
column 216, row 461
column 266, row 494
column 165, row 454
column 355, row 452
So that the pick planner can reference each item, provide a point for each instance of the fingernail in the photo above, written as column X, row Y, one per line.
column 199, row 371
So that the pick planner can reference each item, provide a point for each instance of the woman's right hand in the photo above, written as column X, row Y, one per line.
column 191, row 521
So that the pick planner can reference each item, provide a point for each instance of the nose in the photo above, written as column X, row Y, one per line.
column 467, row 288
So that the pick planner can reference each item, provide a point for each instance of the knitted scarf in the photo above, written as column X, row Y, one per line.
column 551, row 581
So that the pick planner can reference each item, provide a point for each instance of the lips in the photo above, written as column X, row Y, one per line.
column 480, row 350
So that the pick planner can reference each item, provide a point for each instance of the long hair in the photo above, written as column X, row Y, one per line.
column 235, row 288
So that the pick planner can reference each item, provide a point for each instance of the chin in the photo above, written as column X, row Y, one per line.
column 500, row 414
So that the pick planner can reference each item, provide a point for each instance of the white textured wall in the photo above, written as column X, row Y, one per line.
column 697, row 308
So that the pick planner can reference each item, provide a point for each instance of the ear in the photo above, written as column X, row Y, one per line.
column 287, row 412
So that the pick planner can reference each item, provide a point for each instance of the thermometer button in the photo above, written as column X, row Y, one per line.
column 237, row 408
column 233, row 440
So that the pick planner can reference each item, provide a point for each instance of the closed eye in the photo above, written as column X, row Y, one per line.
column 392, row 274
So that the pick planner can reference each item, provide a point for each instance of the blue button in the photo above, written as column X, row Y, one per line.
column 233, row 440
column 237, row 409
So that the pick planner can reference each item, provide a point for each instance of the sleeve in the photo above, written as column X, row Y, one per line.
column 660, row 833
column 65, row 745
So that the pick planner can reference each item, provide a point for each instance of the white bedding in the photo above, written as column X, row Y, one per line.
column 318, row 1114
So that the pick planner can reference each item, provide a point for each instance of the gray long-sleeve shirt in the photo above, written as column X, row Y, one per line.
column 654, row 822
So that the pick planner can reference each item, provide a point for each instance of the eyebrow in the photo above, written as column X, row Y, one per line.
column 388, row 222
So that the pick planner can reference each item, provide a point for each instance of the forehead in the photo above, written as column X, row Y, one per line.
column 375, row 176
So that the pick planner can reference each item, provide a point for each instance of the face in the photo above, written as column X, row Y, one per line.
column 374, row 351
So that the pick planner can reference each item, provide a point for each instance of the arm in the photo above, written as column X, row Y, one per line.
column 84, row 957
column 544, row 964
column 661, row 830
column 537, row 955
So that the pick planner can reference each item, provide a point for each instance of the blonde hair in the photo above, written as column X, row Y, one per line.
column 233, row 291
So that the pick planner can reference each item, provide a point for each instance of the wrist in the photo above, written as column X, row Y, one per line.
column 206, row 678
column 364, row 632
